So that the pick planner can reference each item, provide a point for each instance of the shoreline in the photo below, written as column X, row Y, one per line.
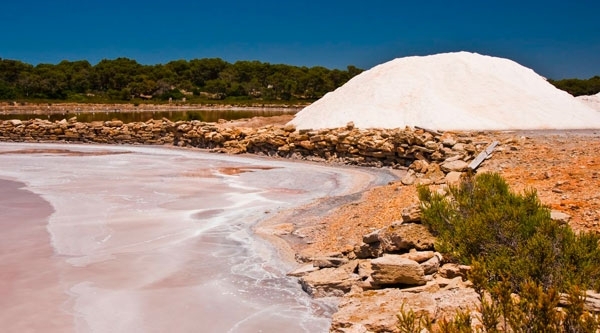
column 58, row 108
column 292, row 238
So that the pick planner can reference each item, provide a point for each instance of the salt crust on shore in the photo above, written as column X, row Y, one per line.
column 449, row 91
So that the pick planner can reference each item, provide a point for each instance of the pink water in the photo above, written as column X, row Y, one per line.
column 148, row 239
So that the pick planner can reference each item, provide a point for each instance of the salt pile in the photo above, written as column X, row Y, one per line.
column 592, row 101
column 450, row 91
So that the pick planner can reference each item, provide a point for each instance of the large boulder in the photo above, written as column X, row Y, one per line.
column 331, row 281
column 399, row 237
column 395, row 269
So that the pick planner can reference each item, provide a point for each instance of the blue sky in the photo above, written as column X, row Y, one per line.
column 557, row 39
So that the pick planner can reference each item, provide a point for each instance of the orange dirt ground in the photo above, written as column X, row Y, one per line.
column 563, row 166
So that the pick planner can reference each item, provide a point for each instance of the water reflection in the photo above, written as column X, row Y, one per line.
column 135, row 116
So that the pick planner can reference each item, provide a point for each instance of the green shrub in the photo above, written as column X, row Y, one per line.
column 523, row 264
column 512, row 235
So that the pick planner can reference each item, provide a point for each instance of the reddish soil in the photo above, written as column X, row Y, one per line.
column 564, row 168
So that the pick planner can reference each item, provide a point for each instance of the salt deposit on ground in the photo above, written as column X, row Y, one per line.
column 592, row 101
column 450, row 91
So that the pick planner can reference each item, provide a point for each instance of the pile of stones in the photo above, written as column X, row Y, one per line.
column 429, row 156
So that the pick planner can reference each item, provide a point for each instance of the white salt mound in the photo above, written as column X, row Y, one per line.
column 592, row 101
column 450, row 91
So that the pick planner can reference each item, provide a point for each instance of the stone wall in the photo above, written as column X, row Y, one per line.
column 426, row 152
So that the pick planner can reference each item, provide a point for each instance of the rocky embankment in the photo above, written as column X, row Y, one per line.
column 431, row 156
column 393, row 267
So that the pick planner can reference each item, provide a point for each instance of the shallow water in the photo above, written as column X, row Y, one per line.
column 136, row 116
column 150, row 239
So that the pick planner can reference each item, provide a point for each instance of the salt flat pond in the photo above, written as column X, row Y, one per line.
column 151, row 239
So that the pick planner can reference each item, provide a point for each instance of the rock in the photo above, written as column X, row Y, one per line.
column 289, row 128
column 394, row 269
column 376, row 310
column 411, row 214
column 409, row 178
column 448, row 141
column 113, row 123
column 560, row 217
column 365, row 270
column 591, row 303
column 432, row 264
column 418, row 256
column 470, row 148
column 453, row 158
column 15, row 122
column 325, row 262
column 405, row 236
column 453, row 177
column 432, row 145
column 303, row 270
column 457, row 165
column 365, row 251
column 450, row 271
column 434, row 173
column 459, row 147
column 371, row 238
column 330, row 281
column 419, row 166
column 449, row 301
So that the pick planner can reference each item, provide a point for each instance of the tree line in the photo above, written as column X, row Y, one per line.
column 578, row 87
column 124, row 79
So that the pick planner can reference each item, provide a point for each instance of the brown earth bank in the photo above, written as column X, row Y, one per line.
column 342, row 248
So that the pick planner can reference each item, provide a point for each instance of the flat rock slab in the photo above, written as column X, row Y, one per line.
column 395, row 269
